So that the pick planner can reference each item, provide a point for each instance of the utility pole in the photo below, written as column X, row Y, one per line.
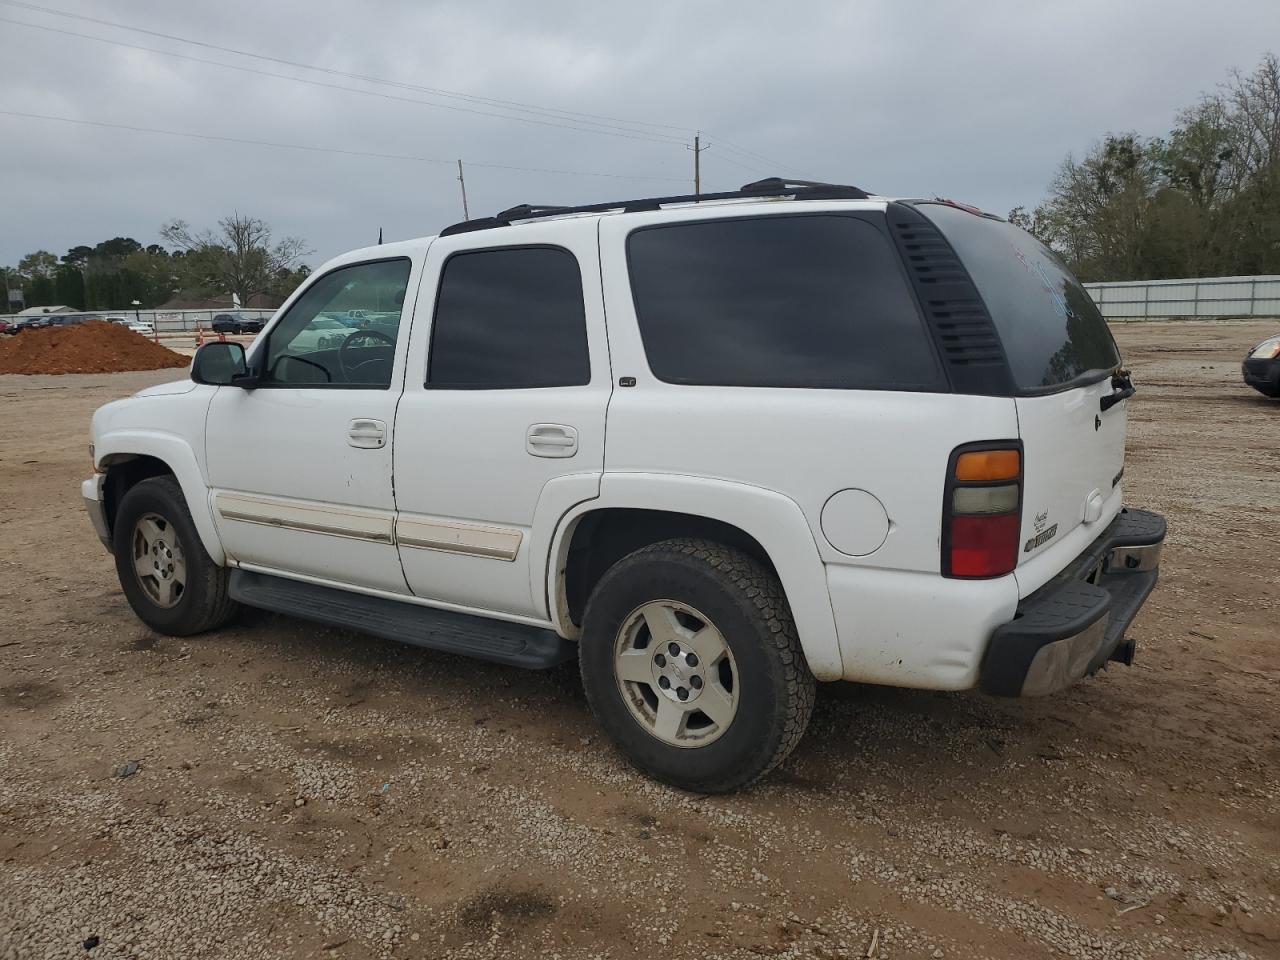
column 697, row 162
column 465, row 214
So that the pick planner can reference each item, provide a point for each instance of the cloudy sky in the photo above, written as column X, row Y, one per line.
column 978, row 101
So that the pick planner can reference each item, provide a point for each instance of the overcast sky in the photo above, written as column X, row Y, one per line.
column 975, row 101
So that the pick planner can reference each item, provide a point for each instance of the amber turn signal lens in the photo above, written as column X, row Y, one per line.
column 989, row 465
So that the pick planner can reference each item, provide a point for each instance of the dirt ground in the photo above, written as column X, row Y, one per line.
column 304, row 792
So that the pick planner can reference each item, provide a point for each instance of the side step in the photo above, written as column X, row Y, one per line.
column 497, row 641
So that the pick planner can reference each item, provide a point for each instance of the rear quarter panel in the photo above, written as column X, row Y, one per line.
column 807, row 445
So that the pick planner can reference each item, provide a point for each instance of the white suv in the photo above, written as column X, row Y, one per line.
column 716, row 447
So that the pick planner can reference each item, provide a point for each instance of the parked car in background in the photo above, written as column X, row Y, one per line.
column 144, row 327
column 5, row 326
column 1261, row 368
column 322, row 333
column 237, row 323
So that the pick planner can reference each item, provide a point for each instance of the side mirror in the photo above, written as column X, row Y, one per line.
column 219, row 364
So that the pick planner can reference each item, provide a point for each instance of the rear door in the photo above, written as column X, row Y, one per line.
column 1061, row 356
column 501, row 427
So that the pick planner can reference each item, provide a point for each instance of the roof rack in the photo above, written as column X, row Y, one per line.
column 770, row 187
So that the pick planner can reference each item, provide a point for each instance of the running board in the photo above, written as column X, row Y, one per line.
column 497, row 641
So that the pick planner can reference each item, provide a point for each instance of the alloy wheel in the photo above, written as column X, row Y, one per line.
column 676, row 673
column 158, row 560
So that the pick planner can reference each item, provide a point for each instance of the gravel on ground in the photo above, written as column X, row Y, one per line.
column 310, row 792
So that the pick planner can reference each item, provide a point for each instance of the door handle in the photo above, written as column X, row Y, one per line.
column 551, row 440
column 367, row 434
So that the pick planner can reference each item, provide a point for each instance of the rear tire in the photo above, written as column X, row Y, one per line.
column 169, row 579
column 691, row 663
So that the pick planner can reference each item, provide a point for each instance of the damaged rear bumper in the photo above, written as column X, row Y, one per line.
column 1076, row 622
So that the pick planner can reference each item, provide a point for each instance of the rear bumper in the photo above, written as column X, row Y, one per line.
column 94, row 502
column 1262, row 374
column 1076, row 622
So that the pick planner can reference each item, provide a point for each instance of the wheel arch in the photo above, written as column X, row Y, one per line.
column 128, row 458
column 634, row 510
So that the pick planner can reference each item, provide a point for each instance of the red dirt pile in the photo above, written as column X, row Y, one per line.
column 91, row 347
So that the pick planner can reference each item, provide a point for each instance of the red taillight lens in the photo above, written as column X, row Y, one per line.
column 982, row 512
column 984, row 546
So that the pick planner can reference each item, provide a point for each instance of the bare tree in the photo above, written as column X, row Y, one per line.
column 241, row 256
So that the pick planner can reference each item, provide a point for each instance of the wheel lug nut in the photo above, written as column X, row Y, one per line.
column 682, row 693
column 695, row 682
column 664, row 683
column 660, row 660
column 674, row 649
column 692, row 659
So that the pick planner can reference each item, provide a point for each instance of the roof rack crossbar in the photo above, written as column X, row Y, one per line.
column 769, row 187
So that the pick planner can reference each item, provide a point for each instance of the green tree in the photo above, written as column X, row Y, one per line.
column 39, row 265
column 77, row 256
column 117, row 248
column 1202, row 201
column 242, row 256
column 68, row 286
column 40, row 292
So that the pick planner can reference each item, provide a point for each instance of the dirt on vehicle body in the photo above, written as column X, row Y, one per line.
column 310, row 792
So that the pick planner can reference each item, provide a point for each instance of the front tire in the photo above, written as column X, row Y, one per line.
column 169, row 579
column 691, row 663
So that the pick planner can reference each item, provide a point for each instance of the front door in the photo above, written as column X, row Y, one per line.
column 300, row 467
column 501, row 427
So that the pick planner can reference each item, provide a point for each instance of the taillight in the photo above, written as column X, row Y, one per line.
column 982, row 510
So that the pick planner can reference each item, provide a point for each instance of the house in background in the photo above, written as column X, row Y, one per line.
column 41, row 311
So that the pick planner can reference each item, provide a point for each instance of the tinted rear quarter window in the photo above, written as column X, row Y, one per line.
column 1052, row 331
column 508, row 318
column 778, row 301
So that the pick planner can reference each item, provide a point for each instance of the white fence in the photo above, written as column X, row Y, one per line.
column 1202, row 298
column 165, row 321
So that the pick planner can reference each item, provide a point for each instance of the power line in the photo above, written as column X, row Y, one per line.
column 662, row 139
column 574, row 120
column 739, row 163
column 726, row 143
column 513, row 105
column 333, row 150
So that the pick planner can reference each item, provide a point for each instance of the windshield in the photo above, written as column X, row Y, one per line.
column 1052, row 331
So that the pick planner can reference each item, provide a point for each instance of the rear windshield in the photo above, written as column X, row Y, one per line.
column 778, row 301
column 1052, row 331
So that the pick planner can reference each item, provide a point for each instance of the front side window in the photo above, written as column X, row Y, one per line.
column 342, row 331
column 509, row 318
column 778, row 301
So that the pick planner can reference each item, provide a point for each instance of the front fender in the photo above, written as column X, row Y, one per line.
column 177, row 454
column 776, row 522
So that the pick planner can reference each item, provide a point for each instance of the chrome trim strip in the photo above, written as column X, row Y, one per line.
column 451, row 536
column 327, row 520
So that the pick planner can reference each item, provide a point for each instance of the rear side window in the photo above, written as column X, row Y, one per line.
column 509, row 318
column 1052, row 331
column 778, row 301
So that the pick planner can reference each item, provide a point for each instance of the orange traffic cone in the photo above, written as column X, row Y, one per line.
column 222, row 337
column 199, row 335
